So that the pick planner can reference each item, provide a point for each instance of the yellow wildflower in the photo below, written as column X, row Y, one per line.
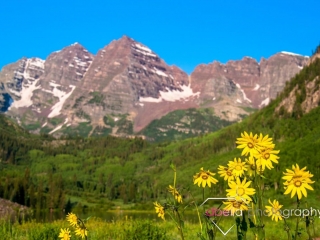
column 266, row 156
column 81, row 231
column 72, row 219
column 159, row 210
column 64, row 234
column 204, row 178
column 238, row 167
column 175, row 193
column 235, row 206
column 274, row 210
column 240, row 190
column 226, row 173
column 296, row 172
column 297, row 181
column 252, row 144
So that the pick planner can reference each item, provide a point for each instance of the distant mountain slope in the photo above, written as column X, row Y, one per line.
column 76, row 92
column 181, row 124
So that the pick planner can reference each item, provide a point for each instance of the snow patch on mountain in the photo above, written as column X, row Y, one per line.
column 79, row 62
column 293, row 54
column 160, row 73
column 172, row 96
column 243, row 93
column 60, row 126
column 26, row 94
column 150, row 99
column 256, row 87
column 56, row 129
column 63, row 96
column 36, row 62
column 29, row 84
column 265, row 102
column 142, row 49
column 245, row 96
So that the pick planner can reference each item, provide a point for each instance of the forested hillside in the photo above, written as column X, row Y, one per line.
column 42, row 172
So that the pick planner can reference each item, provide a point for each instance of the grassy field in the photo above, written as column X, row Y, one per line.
column 128, row 229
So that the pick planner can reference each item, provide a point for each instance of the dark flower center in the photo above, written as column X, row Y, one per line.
column 204, row 177
column 236, row 204
column 250, row 145
column 298, row 183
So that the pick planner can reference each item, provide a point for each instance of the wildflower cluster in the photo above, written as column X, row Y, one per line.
column 78, row 225
column 260, row 154
column 260, row 148
column 244, row 176
column 297, row 181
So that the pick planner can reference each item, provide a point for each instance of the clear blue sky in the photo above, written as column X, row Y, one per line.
column 184, row 33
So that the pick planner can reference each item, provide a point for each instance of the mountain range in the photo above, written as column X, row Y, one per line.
column 126, row 89
column 42, row 172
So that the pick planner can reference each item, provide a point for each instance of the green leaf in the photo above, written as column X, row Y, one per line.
column 251, row 224
column 263, row 176
column 240, row 236
column 307, row 221
column 238, row 221
column 173, row 167
column 254, row 198
column 210, row 234
column 244, row 225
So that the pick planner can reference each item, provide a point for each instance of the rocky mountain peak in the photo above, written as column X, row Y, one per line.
column 126, row 85
column 69, row 65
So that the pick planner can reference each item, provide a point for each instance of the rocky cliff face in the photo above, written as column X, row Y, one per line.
column 304, row 94
column 126, row 85
column 245, row 83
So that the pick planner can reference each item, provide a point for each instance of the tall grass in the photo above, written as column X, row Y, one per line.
column 127, row 229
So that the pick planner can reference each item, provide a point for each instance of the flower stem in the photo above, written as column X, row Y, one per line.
column 195, row 204
column 308, row 228
column 180, row 226
column 287, row 229
column 174, row 183
column 298, row 220
column 175, row 209
column 204, row 214
column 259, row 215
column 202, row 194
